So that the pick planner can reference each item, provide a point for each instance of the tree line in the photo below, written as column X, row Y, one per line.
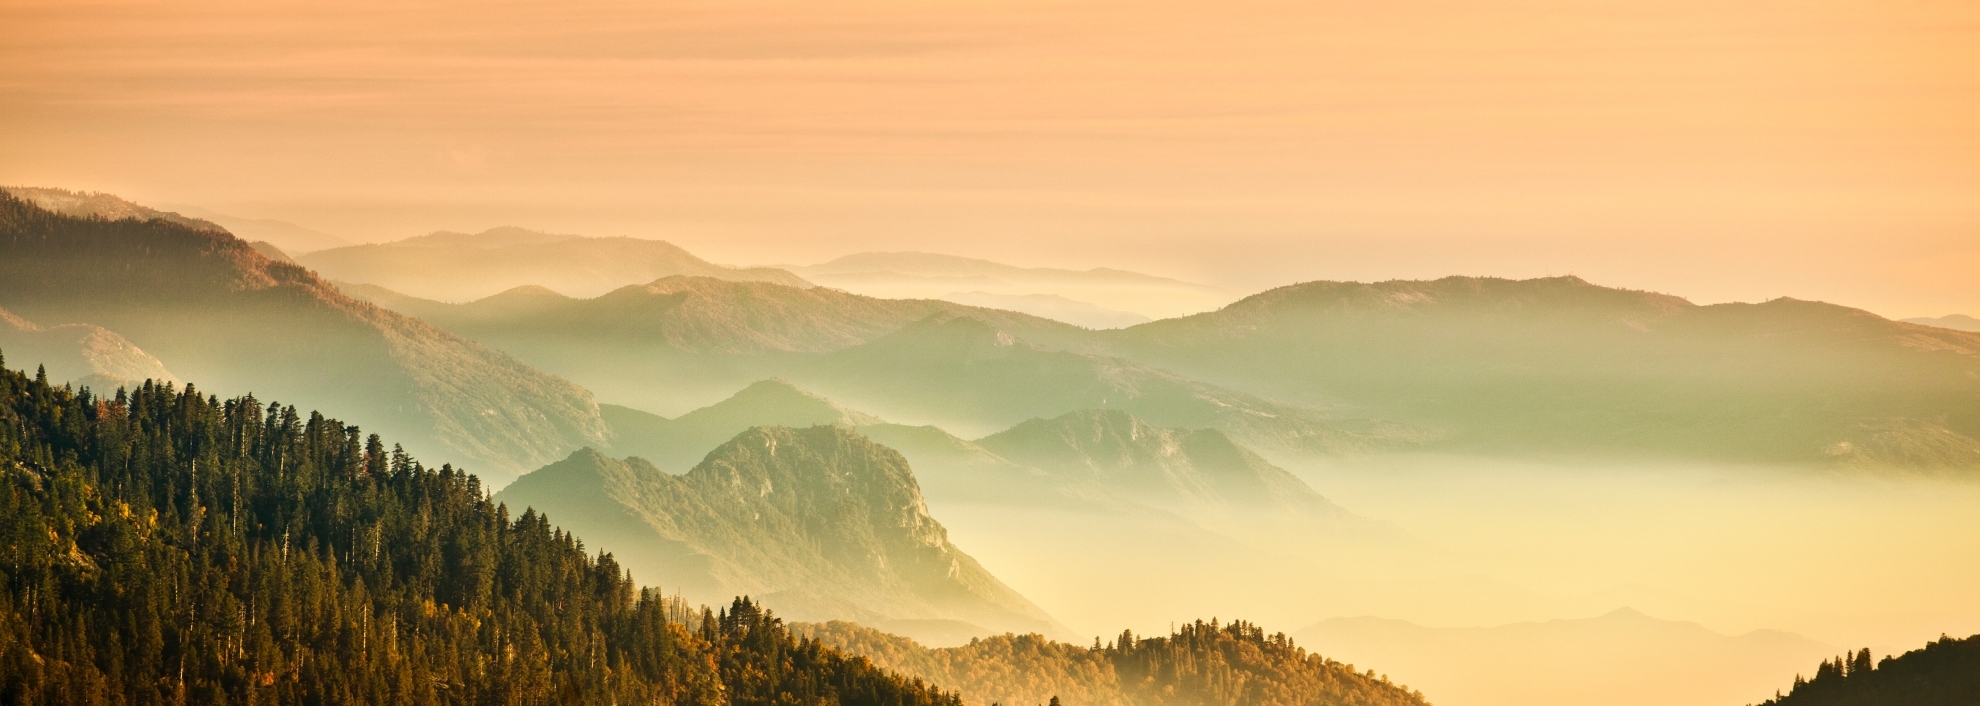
column 158, row 546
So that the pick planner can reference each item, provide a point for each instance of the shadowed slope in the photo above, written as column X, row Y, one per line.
column 225, row 314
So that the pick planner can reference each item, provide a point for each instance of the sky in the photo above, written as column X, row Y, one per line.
column 1721, row 151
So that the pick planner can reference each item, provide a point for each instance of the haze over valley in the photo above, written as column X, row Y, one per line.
column 1005, row 353
column 1396, row 473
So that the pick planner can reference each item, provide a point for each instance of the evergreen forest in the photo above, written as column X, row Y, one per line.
column 158, row 546
column 1198, row 664
column 1945, row 672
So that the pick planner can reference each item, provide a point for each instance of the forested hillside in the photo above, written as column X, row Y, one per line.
column 1944, row 673
column 159, row 546
column 216, row 311
column 1200, row 664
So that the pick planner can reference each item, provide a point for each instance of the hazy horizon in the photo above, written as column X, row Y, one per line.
column 1439, row 458
column 1719, row 152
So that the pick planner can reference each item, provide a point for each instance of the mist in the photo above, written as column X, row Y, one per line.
column 1841, row 560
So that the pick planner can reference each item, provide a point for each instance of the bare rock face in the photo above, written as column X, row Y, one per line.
column 818, row 523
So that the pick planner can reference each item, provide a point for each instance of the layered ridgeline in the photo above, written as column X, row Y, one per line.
column 1199, row 664
column 680, row 443
column 163, row 547
column 1946, row 672
column 972, row 376
column 1093, row 460
column 214, row 309
column 677, row 339
column 1197, row 473
column 464, row 267
column 818, row 523
column 920, row 275
column 80, row 354
column 1560, row 365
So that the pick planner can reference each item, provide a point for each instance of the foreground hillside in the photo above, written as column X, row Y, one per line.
column 1200, row 664
column 1945, row 672
column 212, row 309
column 819, row 523
column 163, row 547
column 1561, row 365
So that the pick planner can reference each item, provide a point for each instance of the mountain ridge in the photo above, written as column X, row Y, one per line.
column 818, row 523
column 461, row 267
column 177, row 291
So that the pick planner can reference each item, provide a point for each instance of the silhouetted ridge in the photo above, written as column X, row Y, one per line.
column 1945, row 672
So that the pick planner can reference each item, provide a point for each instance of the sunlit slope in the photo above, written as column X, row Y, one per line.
column 223, row 314
column 1623, row 658
column 1196, row 664
column 818, row 523
column 80, row 354
column 1559, row 364
column 462, row 266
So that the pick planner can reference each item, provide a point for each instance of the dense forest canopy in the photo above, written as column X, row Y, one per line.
column 1945, row 672
column 158, row 546
column 1198, row 664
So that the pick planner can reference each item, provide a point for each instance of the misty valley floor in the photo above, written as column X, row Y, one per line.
column 1714, row 567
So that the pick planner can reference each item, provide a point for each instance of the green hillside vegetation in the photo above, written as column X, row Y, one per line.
column 1945, row 673
column 164, row 547
column 818, row 523
column 1560, row 365
column 1199, row 664
column 222, row 313
column 463, row 267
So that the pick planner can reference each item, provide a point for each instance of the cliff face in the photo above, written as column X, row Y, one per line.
column 818, row 523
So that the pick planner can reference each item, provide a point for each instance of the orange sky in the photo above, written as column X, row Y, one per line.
column 1717, row 150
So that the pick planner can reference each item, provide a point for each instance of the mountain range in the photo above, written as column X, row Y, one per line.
column 1956, row 322
column 1560, row 365
column 462, row 267
column 212, row 308
column 817, row 523
column 921, row 275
